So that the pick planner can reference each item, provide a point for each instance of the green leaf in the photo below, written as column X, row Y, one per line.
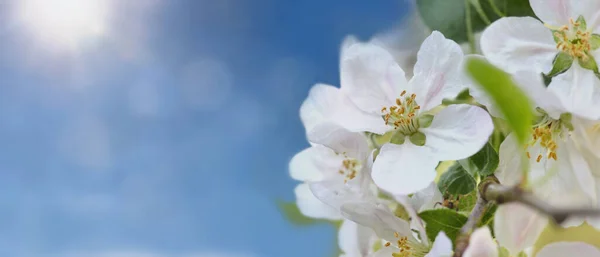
column 456, row 181
column 595, row 41
column 483, row 162
column 562, row 62
column 467, row 202
column 445, row 220
column 480, row 11
column 291, row 212
column 589, row 63
column 508, row 97
column 450, row 16
column 582, row 23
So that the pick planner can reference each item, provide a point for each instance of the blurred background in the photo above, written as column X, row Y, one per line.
column 163, row 128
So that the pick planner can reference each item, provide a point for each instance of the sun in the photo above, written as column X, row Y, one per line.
column 65, row 23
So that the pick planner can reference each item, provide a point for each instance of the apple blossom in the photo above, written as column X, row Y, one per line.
column 568, row 31
column 421, row 136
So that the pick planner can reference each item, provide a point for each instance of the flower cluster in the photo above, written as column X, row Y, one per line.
column 380, row 141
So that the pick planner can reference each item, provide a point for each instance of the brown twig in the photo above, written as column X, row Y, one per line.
column 490, row 190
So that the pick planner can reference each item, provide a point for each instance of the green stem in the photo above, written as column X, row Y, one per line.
column 469, row 27
column 495, row 9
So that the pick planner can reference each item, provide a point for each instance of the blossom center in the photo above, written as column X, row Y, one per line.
column 406, row 248
column 349, row 168
column 403, row 115
column 574, row 39
column 545, row 134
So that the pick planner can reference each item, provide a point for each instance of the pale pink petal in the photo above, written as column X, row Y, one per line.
column 370, row 77
column 404, row 169
column 458, row 131
column 312, row 207
column 517, row 226
column 437, row 71
column 519, row 43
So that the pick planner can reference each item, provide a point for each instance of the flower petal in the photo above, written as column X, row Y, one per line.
column 318, row 107
column 379, row 218
column 425, row 199
column 327, row 107
column 315, row 163
column 458, row 131
column 554, row 12
column 481, row 244
column 579, row 91
column 416, row 223
column 437, row 71
column 519, row 43
column 572, row 185
column 558, row 12
column 340, row 140
column 561, row 249
column 403, row 169
column 511, row 155
column 517, row 226
column 370, row 77
column 533, row 85
column 442, row 246
column 385, row 251
column 354, row 240
column 312, row 207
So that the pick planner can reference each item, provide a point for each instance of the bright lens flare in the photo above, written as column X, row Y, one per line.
column 64, row 22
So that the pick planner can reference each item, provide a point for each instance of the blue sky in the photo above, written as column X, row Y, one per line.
column 168, row 136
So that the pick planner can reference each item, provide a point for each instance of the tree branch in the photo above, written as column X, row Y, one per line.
column 490, row 190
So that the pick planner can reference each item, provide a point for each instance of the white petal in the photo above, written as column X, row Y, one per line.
column 312, row 207
column 572, row 185
column 425, row 199
column 562, row 249
column 579, row 91
column 379, row 218
column 458, row 131
column 370, row 77
column 319, row 106
column 517, row 227
column 442, row 247
column 554, row 12
column 403, row 169
column 315, row 163
column 509, row 169
column 385, row 252
column 415, row 221
column 558, row 12
column 336, row 193
column 354, row 240
column 327, row 107
column 437, row 71
column 519, row 43
column 533, row 85
column 481, row 244
column 353, row 144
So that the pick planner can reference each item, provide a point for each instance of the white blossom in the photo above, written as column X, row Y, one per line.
column 567, row 26
column 421, row 136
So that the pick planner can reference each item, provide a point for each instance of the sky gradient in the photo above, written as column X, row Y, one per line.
column 170, row 134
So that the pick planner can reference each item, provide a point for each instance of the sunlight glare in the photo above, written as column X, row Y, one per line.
column 65, row 23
